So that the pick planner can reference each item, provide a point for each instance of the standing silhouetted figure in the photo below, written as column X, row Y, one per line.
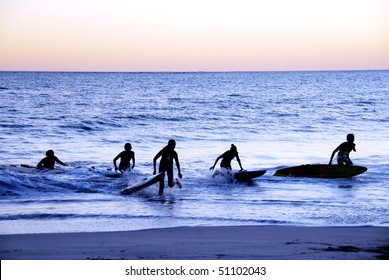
column 167, row 155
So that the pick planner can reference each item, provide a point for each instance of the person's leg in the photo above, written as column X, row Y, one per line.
column 162, row 181
column 161, row 185
column 341, row 161
column 170, row 179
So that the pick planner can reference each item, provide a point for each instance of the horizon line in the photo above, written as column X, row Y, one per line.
column 192, row 71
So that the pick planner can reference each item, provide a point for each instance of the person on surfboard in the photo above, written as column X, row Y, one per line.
column 125, row 158
column 344, row 150
column 49, row 161
column 227, row 157
column 167, row 155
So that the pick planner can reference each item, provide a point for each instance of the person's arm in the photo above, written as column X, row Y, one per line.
column 60, row 162
column 133, row 160
column 212, row 167
column 333, row 154
column 40, row 164
column 240, row 164
column 178, row 166
column 155, row 161
column 115, row 159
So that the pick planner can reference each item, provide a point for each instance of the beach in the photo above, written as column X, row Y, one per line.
column 204, row 243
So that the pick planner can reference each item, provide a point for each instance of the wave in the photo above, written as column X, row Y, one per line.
column 179, row 221
column 16, row 126
column 19, row 184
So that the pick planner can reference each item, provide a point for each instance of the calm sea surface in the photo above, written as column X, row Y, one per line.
column 276, row 119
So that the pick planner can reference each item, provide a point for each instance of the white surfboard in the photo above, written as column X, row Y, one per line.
column 146, row 182
column 25, row 168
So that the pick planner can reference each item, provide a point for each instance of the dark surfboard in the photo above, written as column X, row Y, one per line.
column 248, row 175
column 321, row 171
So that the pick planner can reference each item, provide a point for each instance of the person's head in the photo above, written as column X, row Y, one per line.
column 50, row 153
column 171, row 144
column 127, row 146
column 350, row 138
column 233, row 148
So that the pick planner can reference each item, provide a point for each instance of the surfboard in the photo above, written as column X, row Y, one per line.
column 108, row 172
column 112, row 173
column 248, row 175
column 321, row 171
column 146, row 182
column 25, row 168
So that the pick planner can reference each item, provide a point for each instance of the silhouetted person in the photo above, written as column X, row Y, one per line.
column 167, row 155
column 49, row 161
column 227, row 157
column 344, row 150
column 125, row 158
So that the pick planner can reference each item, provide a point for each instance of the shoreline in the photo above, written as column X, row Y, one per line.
column 199, row 243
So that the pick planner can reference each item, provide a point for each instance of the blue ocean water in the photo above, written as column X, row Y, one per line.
column 276, row 119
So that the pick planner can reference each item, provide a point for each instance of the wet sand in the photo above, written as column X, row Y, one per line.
column 198, row 243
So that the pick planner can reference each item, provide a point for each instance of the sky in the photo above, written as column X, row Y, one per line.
column 193, row 35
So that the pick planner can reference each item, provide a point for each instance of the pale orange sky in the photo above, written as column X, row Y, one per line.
column 193, row 35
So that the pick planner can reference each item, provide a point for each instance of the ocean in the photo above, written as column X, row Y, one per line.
column 276, row 119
